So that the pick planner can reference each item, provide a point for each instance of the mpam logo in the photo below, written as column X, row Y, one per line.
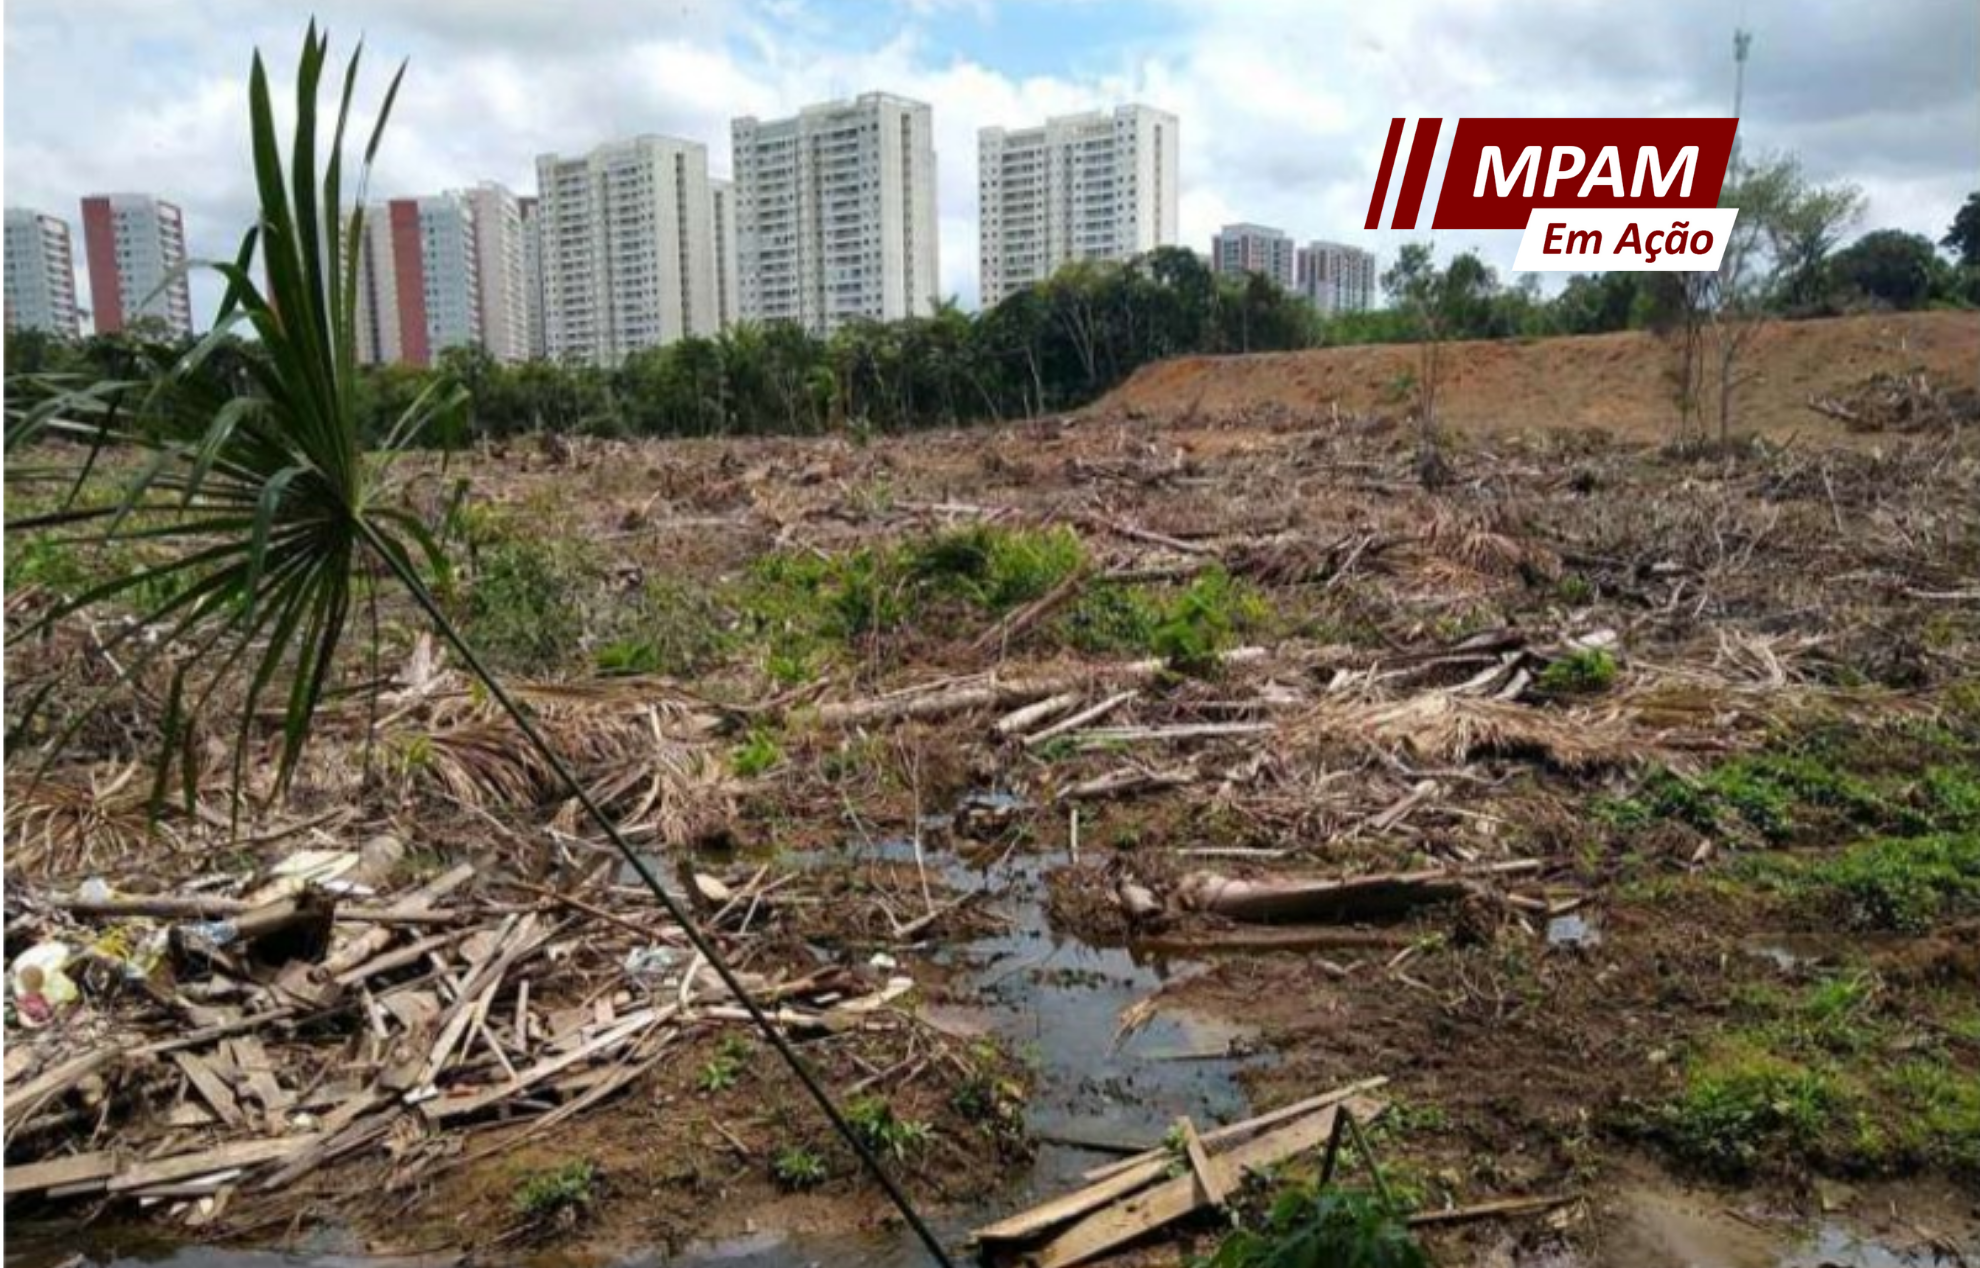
column 1624, row 194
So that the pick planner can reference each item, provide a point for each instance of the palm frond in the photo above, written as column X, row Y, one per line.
column 245, row 504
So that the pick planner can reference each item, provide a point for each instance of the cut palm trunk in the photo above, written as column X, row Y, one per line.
column 1382, row 896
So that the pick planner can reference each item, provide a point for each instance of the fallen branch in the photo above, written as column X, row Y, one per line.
column 1007, row 694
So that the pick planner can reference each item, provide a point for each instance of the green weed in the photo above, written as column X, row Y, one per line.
column 756, row 755
column 1583, row 671
column 556, row 1194
column 884, row 1133
column 1742, row 1103
column 1305, row 1229
column 1899, row 883
column 795, row 1167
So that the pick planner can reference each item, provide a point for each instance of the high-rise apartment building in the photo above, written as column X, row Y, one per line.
column 1336, row 278
column 728, row 288
column 419, row 281
column 500, row 270
column 835, row 213
column 1247, row 248
column 532, row 240
column 40, row 274
column 1095, row 186
column 628, row 248
column 136, row 247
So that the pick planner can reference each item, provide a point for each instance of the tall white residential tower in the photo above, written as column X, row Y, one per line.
column 628, row 248
column 41, row 274
column 419, row 281
column 137, row 249
column 1337, row 278
column 1095, row 186
column 835, row 213
column 500, row 270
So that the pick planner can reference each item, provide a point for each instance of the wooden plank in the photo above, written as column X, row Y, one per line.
column 1209, row 1171
column 241, row 1153
column 1170, row 1201
column 24, row 1102
column 76, row 1169
column 444, row 1108
column 1030, row 1223
column 211, row 1088
column 375, row 939
column 1248, row 1127
column 258, row 1076
column 331, row 1145
column 1118, row 1179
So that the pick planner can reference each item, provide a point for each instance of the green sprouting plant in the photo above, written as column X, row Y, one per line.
column 756, row 755
column 796, row 1167
column 1575, row 590
column 556, row 1194
column 261, row 504
column 39, row 560
column 718, row 1074
column 627, row 656
column 1202, row 622
column 523, row 607
column 1331, row 1228
column 884, row 1133
column 724, row 1070
column 1584, row 671
column 995, row 569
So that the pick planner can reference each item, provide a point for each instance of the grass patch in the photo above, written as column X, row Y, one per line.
column 756, row 755
column 1890, row 780
column 1189, row 627
column 523, row 608
column 803, row 607
column 556, row 1195
column 1743, row 1103
column 1829, row 1077
column 1905, row 884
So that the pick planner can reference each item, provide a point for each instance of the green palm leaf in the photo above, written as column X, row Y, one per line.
column 251, row 508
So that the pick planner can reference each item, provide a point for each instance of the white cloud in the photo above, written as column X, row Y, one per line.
column 1283, row 104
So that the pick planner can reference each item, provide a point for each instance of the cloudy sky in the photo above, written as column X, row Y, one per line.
column 1283, row 104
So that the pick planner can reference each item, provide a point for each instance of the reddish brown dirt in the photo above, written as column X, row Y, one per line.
column 1618, row 383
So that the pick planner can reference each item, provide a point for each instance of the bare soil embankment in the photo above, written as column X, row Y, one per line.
column 1619, row 383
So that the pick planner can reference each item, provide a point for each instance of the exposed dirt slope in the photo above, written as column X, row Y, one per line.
column 1619, row 383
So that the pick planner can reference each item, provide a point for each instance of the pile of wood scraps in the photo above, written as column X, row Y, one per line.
column 237, row 1036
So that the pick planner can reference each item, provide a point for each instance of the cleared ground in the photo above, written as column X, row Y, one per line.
column 1718, row 712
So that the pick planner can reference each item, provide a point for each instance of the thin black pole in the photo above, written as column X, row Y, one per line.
column 701, row 942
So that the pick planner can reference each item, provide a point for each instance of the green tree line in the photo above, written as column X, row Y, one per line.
column 1056, row 345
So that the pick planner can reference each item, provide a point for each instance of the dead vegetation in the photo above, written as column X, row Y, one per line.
column 1369, row 756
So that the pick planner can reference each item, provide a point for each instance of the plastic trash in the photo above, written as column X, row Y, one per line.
column 137, row 950
column 208, row 935
column 40, row 984
column 652, row 963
